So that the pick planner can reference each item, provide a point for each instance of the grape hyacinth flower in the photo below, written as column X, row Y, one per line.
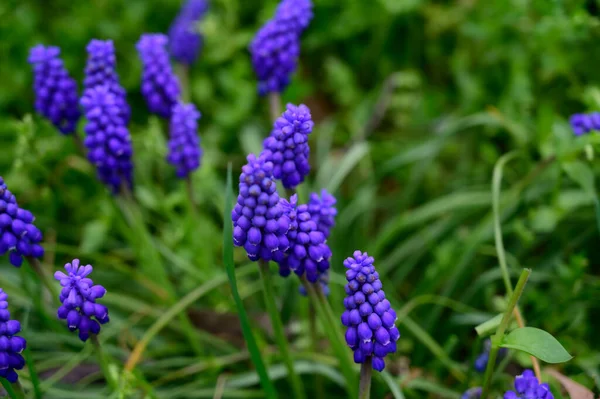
column 585, row 123
column 323, row 212
column 18, row 235
column 78, row 297
column 528, row 387
column 308, row 252
column 287, row 146
column 472, row 393
column 482, row 359
column 11, row 345
column 160, row 86
column 276, row 47
column 108, row 140
column 184, row 143
column 185, row 42
column 100, row 70
column 56, row 95
column 371, row 321
column 260, row 224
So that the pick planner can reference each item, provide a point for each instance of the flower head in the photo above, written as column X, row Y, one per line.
column 528, row 387
column 472, row 393
column 56, row 95
column 322, row 210
column 260, row 224
column 585, row 123
column 287, row 146
column 107, row 138
column 185, row 42
column 184, row 143
column 78, row 297
column 308, row 252
column 160, row 86
column 100, row 70
column 11, row 345
column 18, row 235
column 296, row 14
column 369, row 317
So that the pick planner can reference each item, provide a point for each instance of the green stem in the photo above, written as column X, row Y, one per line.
column 269, row 294
column 314, row 339
column 8, row 388
column 189, row 186
column 104, row 363
column 45, row 277
column 183, row 72
column 35, row 380
column 497, row 338
column 274, row 106
column 364, row 391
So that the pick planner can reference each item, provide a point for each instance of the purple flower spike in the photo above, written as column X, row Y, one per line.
column 56, row 95
column 585, row 123
column 473, row 393
column 528, row 387
column 18, row 235
column 308, row 253
column 259, row 222
column 185, row 42
column 276, row 47
column 368, row 315
column 78, row 297
column 160, row 86
column 287, row 146
column 323, row 211
column 108, row 140
column 11, row 345
column 100, row 70
column 184, row 143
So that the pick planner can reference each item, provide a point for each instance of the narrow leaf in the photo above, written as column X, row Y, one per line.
column 537, row 343
column 487, row 328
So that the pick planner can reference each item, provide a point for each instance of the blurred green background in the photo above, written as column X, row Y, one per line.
column 414, row 102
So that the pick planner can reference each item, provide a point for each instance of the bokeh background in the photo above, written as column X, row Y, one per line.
column 414, row 102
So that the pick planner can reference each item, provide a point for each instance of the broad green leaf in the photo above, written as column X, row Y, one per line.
column 538, row 343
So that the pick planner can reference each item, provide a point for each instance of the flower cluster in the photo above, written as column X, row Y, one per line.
column 260, row 224
column 78, row 297
column 18, row 236
column 160, row 86
column 528, row 387
column 369, row 317
column 11, row 345
column 56, row 95
column 322, row 210
column 287, row 146
column 308, row 252
column 100, row 70
column 472, row 393
column 107, row 140
column 276, row 47
column 184, row 143
column 585, row 123
column 185, row 42
column 482, row 360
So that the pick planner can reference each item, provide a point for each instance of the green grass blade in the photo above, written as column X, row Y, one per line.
column 245, row 322
column 35, row 380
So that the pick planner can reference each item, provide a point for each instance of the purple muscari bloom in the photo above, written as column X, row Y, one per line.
column 585, row 123
column 55, row 91
column 108, row 141
column 259, row 221
column 287, row 146
column 100, row 70
column 276, row 47
column 322, row 210
column 369, row 317
column 308, row 253
column 184, row 143
column 18, row 235
column 482, row 359
column 78, row 297
column 473, row 393
column 160, row 86
column 528, row 387
column 185, row 42
column 11, row 345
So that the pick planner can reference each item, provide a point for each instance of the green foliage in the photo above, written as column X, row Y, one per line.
column 414, row 102
column 538, row 343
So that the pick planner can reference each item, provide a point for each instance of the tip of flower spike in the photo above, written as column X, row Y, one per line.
column 152, row 42
column 97, row 46
column 41, row 53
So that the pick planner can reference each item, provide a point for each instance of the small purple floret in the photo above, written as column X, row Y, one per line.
column 56, row 95
column 11, row 345
column 78, row 297
column 184, row 142
column 370, row 320
column 528, row 387
column 185, row 42
column 585, row 123
column 323, row 211
column 472, row 393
